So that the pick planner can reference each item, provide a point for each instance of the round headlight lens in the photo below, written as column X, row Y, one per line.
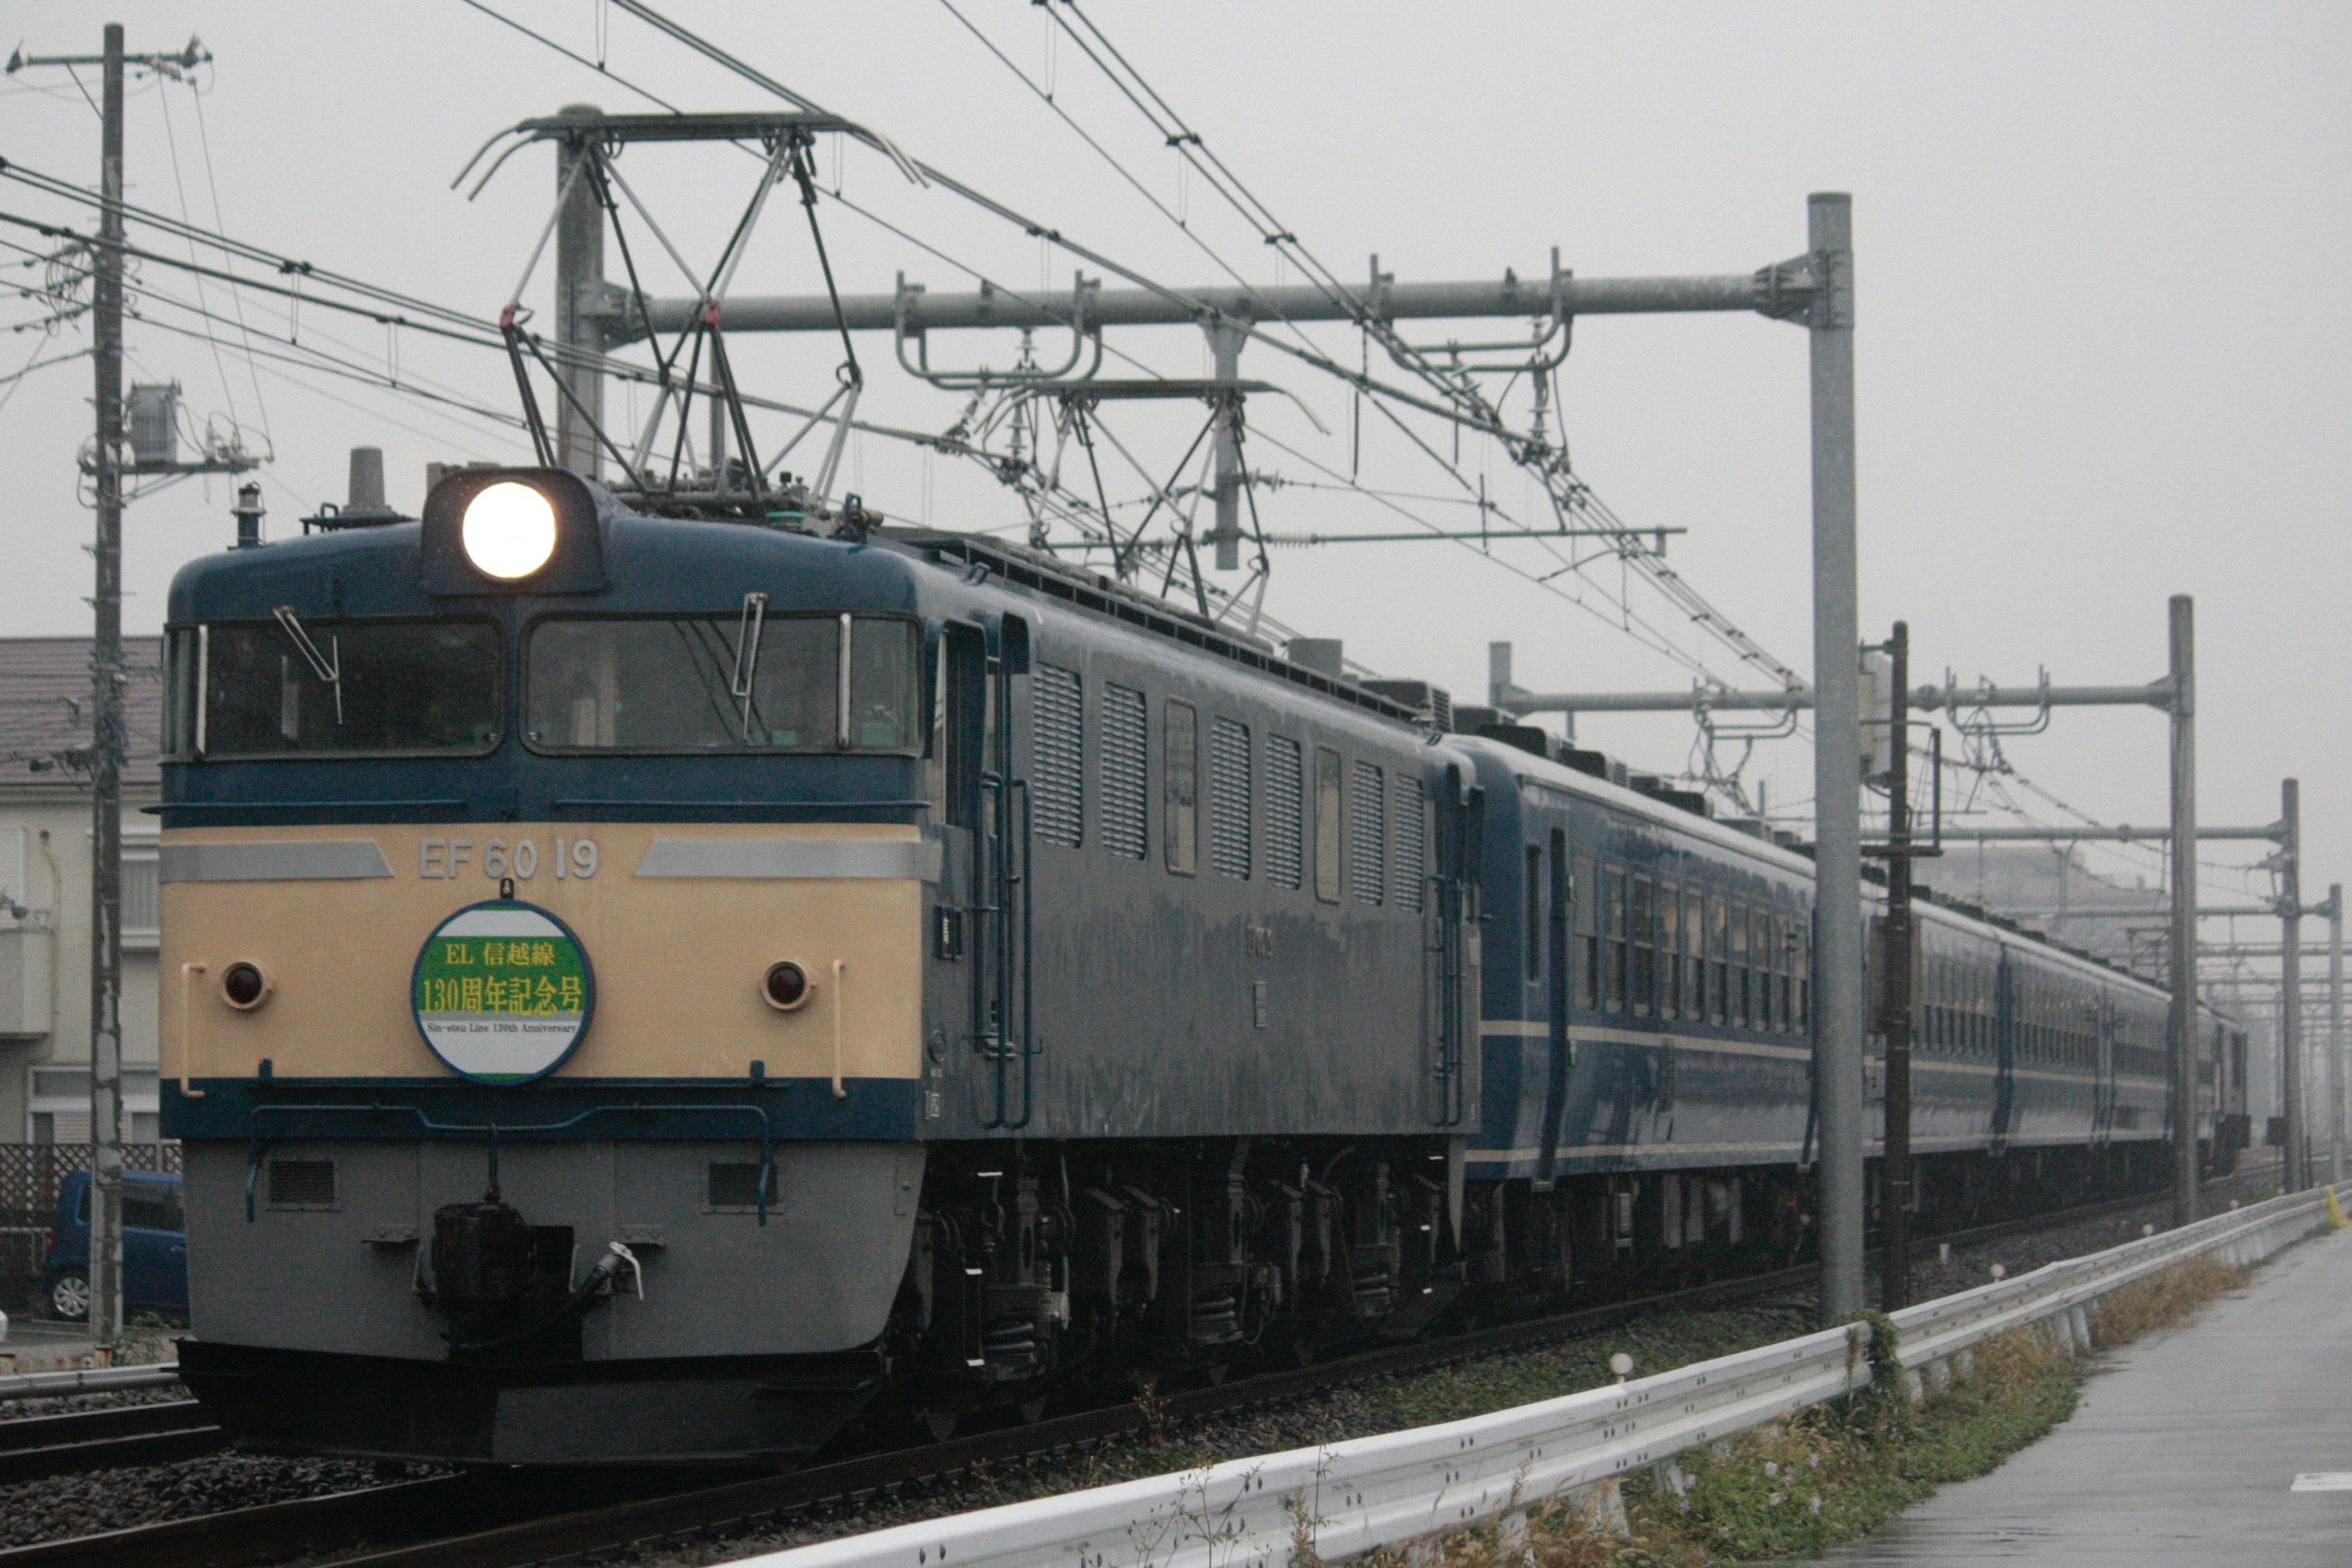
column 244, row 986
column 785, row 986
column 509, row 529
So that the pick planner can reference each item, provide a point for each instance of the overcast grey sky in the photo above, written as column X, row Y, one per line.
column 2103, row 341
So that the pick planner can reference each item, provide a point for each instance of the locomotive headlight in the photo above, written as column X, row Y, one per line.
column 245, row 985
column 508, row 531
column 785, row 986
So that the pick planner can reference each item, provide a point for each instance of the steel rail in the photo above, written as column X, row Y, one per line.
column 38, row 1447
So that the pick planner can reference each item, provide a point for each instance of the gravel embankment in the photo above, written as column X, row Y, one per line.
column 149, row 1494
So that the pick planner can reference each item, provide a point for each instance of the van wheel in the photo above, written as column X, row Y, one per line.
column 70, row 1297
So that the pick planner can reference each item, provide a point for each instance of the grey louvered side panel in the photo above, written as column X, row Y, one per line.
column 1408, row 861
column 1057, row 776
column 1229, row 799
column 1126, row 831
column 1367, row 834
column 1285, row 811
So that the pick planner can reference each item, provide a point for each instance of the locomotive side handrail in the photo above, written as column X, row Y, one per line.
column 1352, row 1498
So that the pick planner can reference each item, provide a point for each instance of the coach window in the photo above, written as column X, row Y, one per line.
column 1695, row 954
column 1182, row 768
column 1743, row 995
column 1586, row 893
column 1776, row 961
column 1615, row 917
column 1718, row 952
column 1670, row 951
column 1327, row 824
column 1788, row 973
column 1646, row 945
column 1804, row 961
column 1533, row 936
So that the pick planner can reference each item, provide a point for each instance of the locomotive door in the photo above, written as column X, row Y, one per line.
column 1561, row 889
column 1450, row 949
column 991, row 805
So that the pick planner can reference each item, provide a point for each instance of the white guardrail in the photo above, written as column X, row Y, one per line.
column 1367, row 1493
column 89, row 1380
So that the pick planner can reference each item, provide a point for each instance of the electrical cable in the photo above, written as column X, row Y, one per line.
column 237, row 298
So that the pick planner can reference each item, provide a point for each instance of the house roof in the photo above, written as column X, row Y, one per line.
column 45, row 704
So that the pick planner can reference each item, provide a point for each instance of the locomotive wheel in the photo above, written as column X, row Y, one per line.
column 1031, row 1411
column 939, row 1423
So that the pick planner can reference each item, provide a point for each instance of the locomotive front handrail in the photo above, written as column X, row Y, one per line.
column 491, row 1130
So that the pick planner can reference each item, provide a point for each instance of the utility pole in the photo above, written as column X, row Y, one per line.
column 2336, row 1118
column 1837, row 760
column 2297, row 1153
column 1894, row 1168
column 107, row 679
column 2183, row 1030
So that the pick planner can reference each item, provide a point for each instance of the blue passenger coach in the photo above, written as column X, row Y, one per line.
column 1647, row 1029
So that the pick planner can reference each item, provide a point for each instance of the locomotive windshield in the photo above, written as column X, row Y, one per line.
column 707, row 683
column 294, row 686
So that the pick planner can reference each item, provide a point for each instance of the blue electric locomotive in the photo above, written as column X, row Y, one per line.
column 667, row 988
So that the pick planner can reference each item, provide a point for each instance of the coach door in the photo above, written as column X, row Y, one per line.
column 2103, row 1102
column 2004, row 1043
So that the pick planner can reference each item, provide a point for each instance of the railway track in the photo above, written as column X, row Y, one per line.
column 510, row 1519
column 39, row 1447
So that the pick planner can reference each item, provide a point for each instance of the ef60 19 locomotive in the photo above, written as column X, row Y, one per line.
column 651, row 989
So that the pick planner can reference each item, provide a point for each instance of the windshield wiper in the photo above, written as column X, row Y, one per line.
column 329, row 670
column 748, row 630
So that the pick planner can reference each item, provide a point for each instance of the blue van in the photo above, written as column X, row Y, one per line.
column 155, row 1246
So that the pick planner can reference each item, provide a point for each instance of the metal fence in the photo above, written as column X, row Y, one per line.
column 30, row 1174
column 1358, row 1496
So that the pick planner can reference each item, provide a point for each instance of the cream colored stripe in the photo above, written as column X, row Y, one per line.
column 292, row 860
column 785, row 859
